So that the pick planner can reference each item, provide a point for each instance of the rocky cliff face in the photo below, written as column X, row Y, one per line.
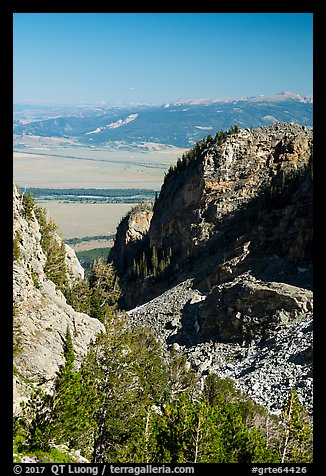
column 236, row 218
column 132, row 233
column 41, row 314
column 245, row 204
column 236, row 189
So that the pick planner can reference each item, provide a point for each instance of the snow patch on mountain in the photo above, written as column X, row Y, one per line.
column 114, row 125
column 204, row 128
column 121, row 122
column 270, row 119
column 96, row 131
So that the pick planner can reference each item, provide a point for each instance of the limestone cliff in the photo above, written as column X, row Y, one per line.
column 41, row 314
column 230, row 188
column 131, row 233
column 243, row 204
column 234, row 218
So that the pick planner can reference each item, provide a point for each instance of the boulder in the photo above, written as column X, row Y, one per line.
column 247, row 309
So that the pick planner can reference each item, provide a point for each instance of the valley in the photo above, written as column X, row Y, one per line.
column 46, row 162
column 40, row 163
column 77, row 220
column 132, row 147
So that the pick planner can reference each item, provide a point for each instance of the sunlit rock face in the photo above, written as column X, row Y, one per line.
column 41, row 314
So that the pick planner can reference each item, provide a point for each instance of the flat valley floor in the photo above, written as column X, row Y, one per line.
column 41, row 162
column 77, row 220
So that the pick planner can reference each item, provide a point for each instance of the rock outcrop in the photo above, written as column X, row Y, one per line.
column 267, row 354
column 244, row 204
column 236, row 293
column 234, row 176
column 131, row 233
column 41, row 314
column 246, row 310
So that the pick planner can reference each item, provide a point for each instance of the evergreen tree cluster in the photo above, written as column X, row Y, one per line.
column 194, row 154
column 152, row 263
column 28, row 202
column 97, row 296
column 127, row 403
column 54, row 249
column 52, row 244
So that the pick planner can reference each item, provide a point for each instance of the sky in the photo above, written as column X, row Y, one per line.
column 154, row 58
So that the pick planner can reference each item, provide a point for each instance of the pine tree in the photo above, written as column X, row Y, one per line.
column 182, row 378
column 78, row 295
column 31, row 427
column 135, row 269
column 48, row 228
column 143, row 270
column 191, row 430
column 74, row 404
column 154, row 261
column 28, row 202
column 54, row 249
column 55, row 267
column 296, row 444
column 104, row 290
column 128, row 385
column 16, row 246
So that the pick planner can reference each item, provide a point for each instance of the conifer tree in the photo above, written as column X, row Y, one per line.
column 154, row 261
column 181, row 377
column 78, row 295
column 54, row 249
column 143, row 266
column 104, row 289
column 16, row 246
column 128, row 384
column 296, row 444
column 55, row 267
column 74, row 404
column 28, row 202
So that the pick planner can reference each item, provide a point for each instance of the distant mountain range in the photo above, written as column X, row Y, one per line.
column 180, row 123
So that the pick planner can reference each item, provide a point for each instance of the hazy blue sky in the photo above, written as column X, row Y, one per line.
column 154, row 58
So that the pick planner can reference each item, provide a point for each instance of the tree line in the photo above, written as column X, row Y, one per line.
column 88, row 194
